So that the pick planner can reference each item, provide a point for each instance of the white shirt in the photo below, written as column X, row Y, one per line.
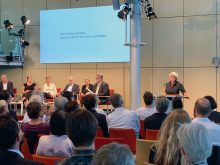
column 70, row 88
column 124, row 118
column 213, row 129
column 50, row 89
column 51, row 145
column 100, row 111
column 5, row 86
column 16, row 151
column 97, row 88
column 144, row 112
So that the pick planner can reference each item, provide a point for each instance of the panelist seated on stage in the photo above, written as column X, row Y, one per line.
column 101, row 88
column 49, row 89
column 6, row 85
column 28, row 87
column 174, row 87
column 72, row 88
column 87, row 88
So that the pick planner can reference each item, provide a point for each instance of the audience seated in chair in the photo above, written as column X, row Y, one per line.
column 166, row 150
column 195, row 144
column 177, row 103
column 57, row 144
column 202, row 111
column 148, row 109
column 36, row 125
column 113, row 154
column 81, row 126
column 59, row 103
column 155, row 121
column 10, row 139
column 121, row 117
column 214, row 115
column 90, row 102
column 71, row 106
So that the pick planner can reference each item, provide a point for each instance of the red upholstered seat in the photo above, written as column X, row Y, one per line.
column 151, row 134
column 99, row 141
column 46, row 160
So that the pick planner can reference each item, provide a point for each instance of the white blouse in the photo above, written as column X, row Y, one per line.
column 50, row 89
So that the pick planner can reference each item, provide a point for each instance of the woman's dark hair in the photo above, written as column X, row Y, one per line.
column 58, row 123
column 212, row 102
column 71, row 106
column 34, row 110
column 148, row 98
column 177, row 103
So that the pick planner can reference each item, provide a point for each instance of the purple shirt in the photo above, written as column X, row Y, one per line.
column 41, row 128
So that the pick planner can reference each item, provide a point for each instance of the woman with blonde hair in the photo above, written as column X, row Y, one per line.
column 166, row 151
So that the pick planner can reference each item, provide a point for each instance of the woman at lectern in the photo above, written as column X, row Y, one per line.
column 174, row 87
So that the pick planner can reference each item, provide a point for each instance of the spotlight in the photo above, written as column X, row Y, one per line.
column 122, row 14
column 149, row 11
column 24, row 43
column 21, row 32
column 8, row 24
column 25, row 21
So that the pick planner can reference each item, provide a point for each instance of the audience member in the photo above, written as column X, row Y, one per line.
column 148, row 109
column 60, row 102
column 6, row 85
column 35, row 125
column 81, row 128
column 71, row 88
column 113, row 154
column 155, row 121
column 49, row 89
column 90, row 103
column 195, row 143
column 177, row 103
column 3, row 107
column 121, row 117
column 57, row 144
column 71, row 106
column 214, row 116
column 101, row 88
column 10, row 139
column 202, row 110
column 166, row 150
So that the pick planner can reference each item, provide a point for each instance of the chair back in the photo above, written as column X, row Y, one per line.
column 127, row 133
column 46, row 160
column 99, row 132
column 25, row 150
column 99, row 141
column 111, row 91
column 143, row 150
column 151, row 134
column 142, row 130
column 15, row 91
column 58, row 90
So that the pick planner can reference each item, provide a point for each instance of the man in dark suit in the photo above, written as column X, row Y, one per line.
column 71, row 90
column 6, row 85
column 155, row 121
column 90, row 103
column 10, row 139
column 101, row 88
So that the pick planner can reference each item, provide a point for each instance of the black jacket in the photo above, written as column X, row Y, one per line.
column 154, row 121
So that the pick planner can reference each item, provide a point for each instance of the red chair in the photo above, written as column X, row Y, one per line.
column 52, row 99
column 127, row 134
column 58, row 91
column 25, row 150
column 99, row 142
column 46, row 160
column 111, row 91
column 142, row 130
column 151, row 134
column 99, row 132
column 19, row 117
column 15, row 92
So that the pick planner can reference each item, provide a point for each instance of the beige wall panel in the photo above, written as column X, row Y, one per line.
column 199, row 7
column 59, row 76
column 114, row 78
column 110, row 65
column 199, row 40
column 12, row 10
column 104, row 2
column 127, row 86
column 161, row 76
column 218, row 35
column 80, row 74
column 58, row 4
column 32, row 10
column 198, row 83
column 14, row 75
column 168, row 42
column 58, row 66
column 83, row 3
column 146, row 82
column 169, row 8
column 32, row 55
column 84, row 65
column 146, row 50
column 38, row 76
column 218, row 6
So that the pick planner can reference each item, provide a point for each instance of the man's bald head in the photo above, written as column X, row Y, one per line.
column 202, row 107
